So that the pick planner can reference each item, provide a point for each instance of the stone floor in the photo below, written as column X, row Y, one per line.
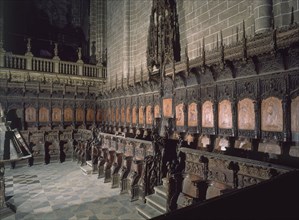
column 62, row 191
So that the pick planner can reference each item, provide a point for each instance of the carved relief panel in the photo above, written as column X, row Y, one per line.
column 295, row 115
column 179, row 114
column 68, row 114
column 272, row 118
column 141, row 119
column 149, row 115
column 134, row 115
column 56, row 114
column 225, row 114
column 167, row 108
column 157, row 111
column 79, row 114
column 246, row 115
column 192, row 115
column 207, row 114
column 30, row 114
column 90, row 114
column 128, row 115
column 43, row 114
column 122, row 113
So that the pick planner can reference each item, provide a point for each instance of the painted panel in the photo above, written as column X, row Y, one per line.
column 128, row 115
column 225, row 115
column 192, row 115
column 157, row 111
column 295, row 115
column 272, row 118
column 79, row 114
column 207, row 114
column 141, row 119
column 122, row 113
column 68, row 114
column 43, row 114
column 56, row 115
column 90, row 114
column 167, row 108
column 179, row 114
column 30, row 114
column 246, row 115
column 134, row 115
column 149, row 119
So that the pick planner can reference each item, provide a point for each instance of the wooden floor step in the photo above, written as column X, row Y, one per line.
column 161, row 191
column 86, row 169
column 147, row 211
column 89, row 163
column 157, row 202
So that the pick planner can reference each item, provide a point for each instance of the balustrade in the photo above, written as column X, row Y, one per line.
column 54, row 65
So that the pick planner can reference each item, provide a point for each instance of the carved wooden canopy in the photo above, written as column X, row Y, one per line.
column 163, row 41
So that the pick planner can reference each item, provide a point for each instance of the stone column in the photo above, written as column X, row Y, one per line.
column 262, row 15
column 126, row 39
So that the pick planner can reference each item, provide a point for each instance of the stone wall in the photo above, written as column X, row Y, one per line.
column 197, row 20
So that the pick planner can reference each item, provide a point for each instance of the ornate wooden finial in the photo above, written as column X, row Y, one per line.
column 79, row 53
column 292, row 16
column 222, row 50
column 244, row 41
column 141, row 74
column 134, row 76
column 55, row 49
column 28, row 45
column 173, row 69
column 186, row 52
column 122, row 80
column 217, row 41
column 203, row 55
column 115, row 81
column 128, row 79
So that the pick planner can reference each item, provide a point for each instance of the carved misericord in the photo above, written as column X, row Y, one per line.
column 68, row 114
column 179, row 113
column 246, row 116
column 272, row 118
column 43, row 114
column 157, row 111
column 141, row 118
column 192, row 115
column 134, row 116
column 128, row 115
column 30, row 114
column 148, row 116
column 207, row 114
column 295, row 115
column 56, row 115
column 225, row 114
column 79, row 114
column 167, row 108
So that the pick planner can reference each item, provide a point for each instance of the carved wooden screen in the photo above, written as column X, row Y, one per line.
column 56, row 114
column 90, row 114
column 179, row 115
column 246, row 115
column 79, row 114
column 149, row 115
column 207, row 114
column 157, row 111
column 68, row 114
column 122, row 114
column 295, row 115
column 128, row 115
column 141, row 119
column 43, row 115
column 192, row 115
column 134, row 116
column 30, row 114
column 225, row 119
column 167, row 108
column 272, row 118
